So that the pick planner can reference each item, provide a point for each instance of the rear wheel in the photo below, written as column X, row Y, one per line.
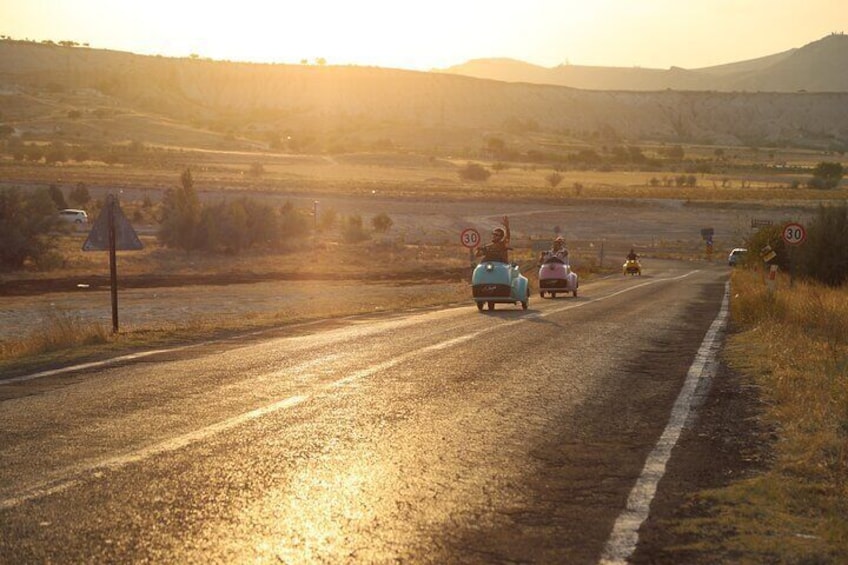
column 491, row 305
column 480, row 306
column 574, row 293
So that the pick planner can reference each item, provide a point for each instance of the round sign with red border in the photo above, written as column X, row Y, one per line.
column 470, row 238
column 794, row 233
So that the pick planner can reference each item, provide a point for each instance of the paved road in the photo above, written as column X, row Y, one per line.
column 448, row 436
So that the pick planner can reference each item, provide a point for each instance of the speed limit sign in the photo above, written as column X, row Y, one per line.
column 794, row 233
column 470, row 238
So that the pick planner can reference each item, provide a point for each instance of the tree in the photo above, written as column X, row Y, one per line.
column 475, row 172
column 827, row 175
column 381, row 222
column 822, row 256
column 496, row 146
column 79, row 195
column 352, row 230
column 181, row 215
column 57, row 152
column 57, row 197
column 28, row 225
column 674, row 152
column 554, row 179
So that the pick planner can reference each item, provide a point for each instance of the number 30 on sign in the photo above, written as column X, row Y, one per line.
column 470, row 238
column 794, row 234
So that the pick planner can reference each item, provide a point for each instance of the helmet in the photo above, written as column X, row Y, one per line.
column 559, row 239
column 498, row 233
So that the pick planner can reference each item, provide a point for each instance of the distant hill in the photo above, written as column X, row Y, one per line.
column 821, row 66
column 51, row 88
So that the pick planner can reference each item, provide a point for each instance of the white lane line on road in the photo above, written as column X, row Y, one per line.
column 625, row 534
column 91, row 365
column 71, row 474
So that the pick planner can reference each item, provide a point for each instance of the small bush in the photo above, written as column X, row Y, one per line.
column 381, row 222
column 474, row 172
column 827, row 175
column 352, row 230
column 327, row 219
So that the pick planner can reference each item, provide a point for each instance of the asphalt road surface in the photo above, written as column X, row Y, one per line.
column 449, row 436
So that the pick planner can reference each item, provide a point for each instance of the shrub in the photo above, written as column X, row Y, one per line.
column 474, row 172
column 352, row 230
column 295, row 223
column 554, row 179
column 827, row 175
column 79, row 195
column 58, row 197
column 823, row 256
column 327, row 219
column 381, row 222
column 27, row 226
column 773, row 237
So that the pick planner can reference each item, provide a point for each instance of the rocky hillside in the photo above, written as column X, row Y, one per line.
column 821, row 66
column 253, row 97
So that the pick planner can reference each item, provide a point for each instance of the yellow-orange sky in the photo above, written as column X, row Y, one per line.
column 423, row 35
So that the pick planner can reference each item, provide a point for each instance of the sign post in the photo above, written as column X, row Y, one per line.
column 707, row 236
column 112, row 231
column 794, row 234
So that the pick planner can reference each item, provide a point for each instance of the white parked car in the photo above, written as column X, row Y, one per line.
column 73, row 216
column 736, row 256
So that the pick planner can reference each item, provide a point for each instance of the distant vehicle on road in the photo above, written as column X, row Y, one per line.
column 632, row 267
column 736, row 255
column 73, row 216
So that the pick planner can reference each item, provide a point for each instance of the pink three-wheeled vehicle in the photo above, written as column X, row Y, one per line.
column 556, row 276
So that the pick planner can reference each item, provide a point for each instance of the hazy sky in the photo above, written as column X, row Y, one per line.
column 422, row 35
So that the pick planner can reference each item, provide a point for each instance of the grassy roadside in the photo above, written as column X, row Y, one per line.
column 791, row 344
column 65, row 339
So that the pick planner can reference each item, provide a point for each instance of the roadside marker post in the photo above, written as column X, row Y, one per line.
column 794, row 234
column 771, row 281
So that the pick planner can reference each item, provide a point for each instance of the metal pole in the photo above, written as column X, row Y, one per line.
column 791, row 266
column 113, row 262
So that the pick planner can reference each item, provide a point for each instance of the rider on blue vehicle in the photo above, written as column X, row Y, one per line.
column 498, row 249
